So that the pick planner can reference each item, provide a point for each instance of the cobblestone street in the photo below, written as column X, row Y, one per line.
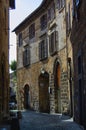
column 40, row 121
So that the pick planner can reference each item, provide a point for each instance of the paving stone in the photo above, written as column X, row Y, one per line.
column 41, row 121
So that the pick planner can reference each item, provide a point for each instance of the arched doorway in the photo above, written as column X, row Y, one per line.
column 57, row 79
column 26, row 97
column 44, row 105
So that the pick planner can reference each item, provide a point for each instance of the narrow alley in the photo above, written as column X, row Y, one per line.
column 41, row 121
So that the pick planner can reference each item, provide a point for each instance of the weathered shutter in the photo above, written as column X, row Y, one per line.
column 45, row 49
column 20, row 39
column 50, row 50
column 40, row 51
column 53, row 41
column 77, row 2
column 24, row 58
column 69, row 20
column 28, row 56
column 63, row 3
column 52, row 11
column 49, row 14
column 57, row 4
column 56, row 40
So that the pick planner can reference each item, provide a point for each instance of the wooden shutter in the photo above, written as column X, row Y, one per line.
column 50, row 44
column 77, row 2
column 40, row 51
column 26, row 57
column 24, row 60
column 56, row 40
column 57, row 4
column 53, row 39
column 45, row 49
column 20, row 39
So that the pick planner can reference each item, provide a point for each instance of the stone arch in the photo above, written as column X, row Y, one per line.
column 57, row 85
column 44, row 104
column 26, row 96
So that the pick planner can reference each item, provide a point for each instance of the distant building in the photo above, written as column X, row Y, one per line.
column 4, row 55
column 44, row 59
column 78, row 39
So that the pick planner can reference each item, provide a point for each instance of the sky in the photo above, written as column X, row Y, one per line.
column 22, row 10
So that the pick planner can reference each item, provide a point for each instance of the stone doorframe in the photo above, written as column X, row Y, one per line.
column 26, row 97
column 44, row 104
column 57, row 87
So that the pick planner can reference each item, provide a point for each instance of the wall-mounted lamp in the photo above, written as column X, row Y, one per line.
column 69, row 60
column 50, row 90
column 42, row 70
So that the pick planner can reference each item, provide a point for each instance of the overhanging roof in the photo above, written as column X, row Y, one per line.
column 33, row 15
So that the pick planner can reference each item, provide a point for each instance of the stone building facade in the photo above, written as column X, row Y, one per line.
column 43, row 56
column 78, row 39
column 4, row 55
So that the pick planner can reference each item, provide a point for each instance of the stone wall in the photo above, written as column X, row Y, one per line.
column 4, row 58
column 30, row 75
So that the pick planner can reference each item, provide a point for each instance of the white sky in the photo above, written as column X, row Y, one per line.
column 23, row 9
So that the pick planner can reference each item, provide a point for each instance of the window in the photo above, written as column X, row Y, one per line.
column 53, row 40
column 79, row 64
column 68, row 20
column 77, row 9
column 51, row 12
column 60, row 4
column 43, row 22
column 20, row 39
column 43, row 49
column 32, row 31
column 77, row 2
column 26, row 56
column 12, row 4
column 5, row 14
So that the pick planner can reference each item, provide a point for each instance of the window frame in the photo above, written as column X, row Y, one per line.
column 60, row 4
column 53, row 38
column 51, row 12
column 20, row 40
column 32, row 31
column 43, row 22
column 43, row 49
column 26, row 56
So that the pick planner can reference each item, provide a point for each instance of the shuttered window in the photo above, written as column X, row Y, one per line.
column 20, row 39
column 68, row 20
column 53, row 41
column 32, row 31
column 43, row 21
column 77, row 2
column 26, row 56
column 43, row 50
column 60, row 4
column 51, row 12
